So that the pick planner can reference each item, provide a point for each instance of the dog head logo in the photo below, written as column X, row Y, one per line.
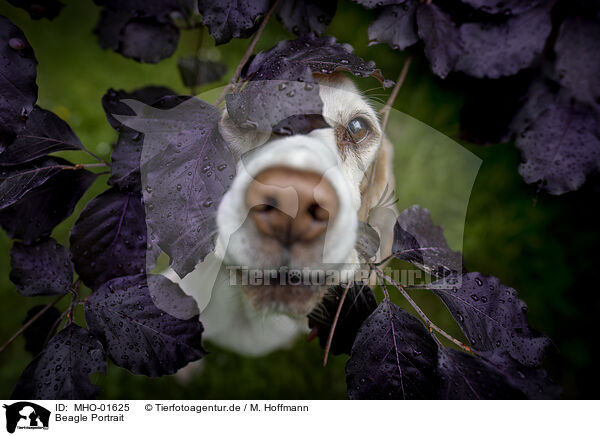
column 26, row 415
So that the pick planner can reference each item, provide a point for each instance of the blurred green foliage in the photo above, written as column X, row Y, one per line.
column 545, row 247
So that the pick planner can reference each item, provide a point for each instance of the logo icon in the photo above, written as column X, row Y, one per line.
column 26, row 415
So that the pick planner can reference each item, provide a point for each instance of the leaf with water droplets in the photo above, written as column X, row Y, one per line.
column 465, row 376
column 492, row 316
column 577, row 60
column 280, row 84
column 504, row 48
column 18, row 89
column 125, row 158
column 418, row 241
column 358, row 305
column 306, row 16
column 109, row 238
column 395, row 25
column 56, row 197
column 504, row 7
column 141, row 30
column 44, row 133
column 38, row 9
column 228, row 19
column 18, row 180
column 393, row 357
column 186, row 170
column 443, row 43
column 62, row 370
column 41, row 269
column 138, row 335
column 558, row 139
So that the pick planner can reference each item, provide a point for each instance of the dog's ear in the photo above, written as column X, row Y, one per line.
column 377, row 196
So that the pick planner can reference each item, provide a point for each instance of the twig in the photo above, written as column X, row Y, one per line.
column 385, row 112
column 90, row 165
column 424, row 317
column 31, row 321
column 335, row 320
column 247, row 54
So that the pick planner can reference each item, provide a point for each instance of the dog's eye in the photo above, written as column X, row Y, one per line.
column 358, row 128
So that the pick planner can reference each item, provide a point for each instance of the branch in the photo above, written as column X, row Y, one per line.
column 424, row 317
column 31, row 321
column 335, row 320
column 247, row 54
column 385, row 112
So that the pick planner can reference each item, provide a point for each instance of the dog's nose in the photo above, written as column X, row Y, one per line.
column 291, row 205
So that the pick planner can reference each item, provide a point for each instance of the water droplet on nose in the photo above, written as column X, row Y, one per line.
column 208, row 202
column 222, row 167
column 479, row 282
column 179, row 186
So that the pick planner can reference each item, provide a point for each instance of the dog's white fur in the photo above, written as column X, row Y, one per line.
column 359, row 177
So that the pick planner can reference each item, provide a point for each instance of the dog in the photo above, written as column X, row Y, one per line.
column 294, row 205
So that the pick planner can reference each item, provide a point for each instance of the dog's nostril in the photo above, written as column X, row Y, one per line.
column 291, row 205
column 317, row 212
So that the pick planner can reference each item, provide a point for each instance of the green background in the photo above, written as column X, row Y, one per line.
column 543, row 246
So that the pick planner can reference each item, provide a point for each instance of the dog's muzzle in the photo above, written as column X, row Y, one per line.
column 290, row 206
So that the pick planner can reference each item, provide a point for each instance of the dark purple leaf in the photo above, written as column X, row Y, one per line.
column 41, row 329
column 156, row 96
column 393, row 357
column 162, row 9
column 57, row 198
column 288, row 60
column 578, row 59
column 125, row 165
column 278, row 106
column 17, row 181
column 228, row 19
column 418, row 241
column 502, row 49
column 464, row 376
column 41, row 269
column 44, row 133
column 306, row 16
column 505, row 7
column 186, row 170
column 139, row 336
column 299, row 125
column 395, row 25
column 280, row 82
column 143, row 39
column 196, row 72
column 109, row 238
column 18, row 90
column 558, row 139
column 371, row 4
column 443, row 44
column 533, row 382
column 61, row 371
column 149, row 41
column 359, row 304
column 367, row 242
column 39, row 9
column 492, row 316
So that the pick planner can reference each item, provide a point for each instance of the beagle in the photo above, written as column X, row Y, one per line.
column 292, row 213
